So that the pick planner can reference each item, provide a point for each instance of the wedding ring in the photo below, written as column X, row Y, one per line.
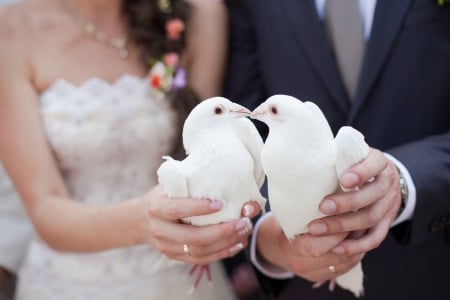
column 186, row 250
column 332, row 269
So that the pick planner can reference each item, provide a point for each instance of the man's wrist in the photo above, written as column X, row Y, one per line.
column 403, row 192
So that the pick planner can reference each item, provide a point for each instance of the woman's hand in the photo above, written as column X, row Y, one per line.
column 189, row 243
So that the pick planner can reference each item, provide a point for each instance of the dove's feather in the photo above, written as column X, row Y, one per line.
column 299, row 158
column 223, row 171
column 172, row 178
column 293, row 177
column 351, row 148
column 252, row 140
column 219, row 166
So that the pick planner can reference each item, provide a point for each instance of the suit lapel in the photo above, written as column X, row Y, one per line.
column 387, row 21
column 309, row 32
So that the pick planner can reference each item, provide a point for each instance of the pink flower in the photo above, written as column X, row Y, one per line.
column 171, row 59
column 174, row 29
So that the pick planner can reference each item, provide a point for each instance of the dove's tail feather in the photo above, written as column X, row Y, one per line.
column 352, row 280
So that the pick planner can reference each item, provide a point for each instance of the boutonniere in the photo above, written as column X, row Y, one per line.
column 442, row 2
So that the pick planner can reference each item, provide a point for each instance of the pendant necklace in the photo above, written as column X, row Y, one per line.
column 118, row 43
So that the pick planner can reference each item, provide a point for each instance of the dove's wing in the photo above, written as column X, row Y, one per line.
column 350, row 148
column 172, row 178
column 252, row 140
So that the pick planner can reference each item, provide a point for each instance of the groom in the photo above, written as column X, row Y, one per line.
column 400, row 101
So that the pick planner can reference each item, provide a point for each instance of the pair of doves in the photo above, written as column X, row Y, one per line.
column 227, row 161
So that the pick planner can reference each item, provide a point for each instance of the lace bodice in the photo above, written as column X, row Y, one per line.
column 113, row 134
column 108, row 140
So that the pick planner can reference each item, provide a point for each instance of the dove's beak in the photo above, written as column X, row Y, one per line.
column 258, row 113
column 240, row 111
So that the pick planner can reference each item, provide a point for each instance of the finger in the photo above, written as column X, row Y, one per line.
column 318, row 269
column 316, row 246
column 382, row 193
column 361, row 173
column 171, row 248
column 207, row 259
column 202, row 255
column 251, row 209
column 371, row 240
column 179, row 208
column 200, row 235
column 353, row 201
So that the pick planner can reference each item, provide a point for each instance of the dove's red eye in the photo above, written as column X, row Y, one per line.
column 274, row 110
column 218, row 110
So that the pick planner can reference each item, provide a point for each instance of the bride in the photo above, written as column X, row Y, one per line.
column 83, row 126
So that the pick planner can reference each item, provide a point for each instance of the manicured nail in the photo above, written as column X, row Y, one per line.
column 237, row 247
column 318, row 228
column 248, row 210
column 328, row 206
column 216, row 205
column 349, row 180
column 243, row 226
column 339, row 250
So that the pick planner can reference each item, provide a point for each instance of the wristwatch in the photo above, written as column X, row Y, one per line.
column 403, row 192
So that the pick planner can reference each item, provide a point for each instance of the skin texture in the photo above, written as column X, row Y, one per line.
column 59, row 45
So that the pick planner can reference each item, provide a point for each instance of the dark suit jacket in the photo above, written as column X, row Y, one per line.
column 402, row 106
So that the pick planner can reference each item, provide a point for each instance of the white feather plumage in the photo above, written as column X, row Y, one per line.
column 302, row 162
column 222, row 164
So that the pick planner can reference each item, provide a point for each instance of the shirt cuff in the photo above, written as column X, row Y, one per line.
column 263, row 266
column 410, row 202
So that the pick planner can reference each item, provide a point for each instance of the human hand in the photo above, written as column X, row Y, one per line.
column 307, row 256
column 367, row 212
column 205, row 243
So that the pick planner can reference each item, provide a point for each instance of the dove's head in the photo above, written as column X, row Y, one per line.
column 213, row 115
column 279, row 110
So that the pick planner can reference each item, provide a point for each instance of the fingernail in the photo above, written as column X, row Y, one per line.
column 349, row 179
column 243, row 226
column 328, row 206
column 216, row 205
column 248, row 210
column 339, row 250
column 237, row 247
column 317, row 228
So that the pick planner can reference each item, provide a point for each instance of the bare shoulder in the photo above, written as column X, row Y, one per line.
column 209, row 9
column 16, row 24
column 22, row 29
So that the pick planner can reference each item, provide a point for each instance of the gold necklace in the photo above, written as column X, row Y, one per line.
column 118, row 43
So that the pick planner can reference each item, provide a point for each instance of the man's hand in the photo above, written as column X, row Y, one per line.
column 307, row 256
column 369, row 211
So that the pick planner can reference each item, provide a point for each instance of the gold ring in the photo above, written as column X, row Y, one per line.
column 186, row 250
column 332, row 269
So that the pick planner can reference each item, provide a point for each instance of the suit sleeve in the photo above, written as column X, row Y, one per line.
column 428, row 162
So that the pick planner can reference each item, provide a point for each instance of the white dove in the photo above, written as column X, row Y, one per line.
column 223, row 150
column 302, row 162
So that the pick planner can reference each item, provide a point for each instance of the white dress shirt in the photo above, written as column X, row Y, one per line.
column 367, row 9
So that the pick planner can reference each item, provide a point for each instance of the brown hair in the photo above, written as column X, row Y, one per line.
column 146, row 24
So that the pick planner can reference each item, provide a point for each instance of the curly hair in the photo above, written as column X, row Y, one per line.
column 147, row 28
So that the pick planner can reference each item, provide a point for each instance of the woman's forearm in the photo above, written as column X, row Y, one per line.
column 72, row 226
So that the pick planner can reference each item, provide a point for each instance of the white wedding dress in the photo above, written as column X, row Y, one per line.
column 108, row 140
